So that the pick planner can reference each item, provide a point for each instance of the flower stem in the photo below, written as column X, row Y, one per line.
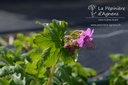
column 51, row 74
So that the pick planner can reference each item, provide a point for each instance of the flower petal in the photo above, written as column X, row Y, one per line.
column 80, row 41
column 88, row 31
column 91, row 38
column 92, row 33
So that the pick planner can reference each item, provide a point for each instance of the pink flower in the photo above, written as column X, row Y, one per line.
column 86, row 39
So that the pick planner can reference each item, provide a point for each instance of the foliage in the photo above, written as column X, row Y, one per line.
column 119, row 74
column 34, row 57
column 71, row 74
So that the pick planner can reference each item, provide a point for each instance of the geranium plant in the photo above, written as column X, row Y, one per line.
column 119, row 71
column 47, row 58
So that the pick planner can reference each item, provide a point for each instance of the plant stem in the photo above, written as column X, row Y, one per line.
column 51, row 74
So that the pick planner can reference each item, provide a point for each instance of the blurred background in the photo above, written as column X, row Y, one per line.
column 20, row 16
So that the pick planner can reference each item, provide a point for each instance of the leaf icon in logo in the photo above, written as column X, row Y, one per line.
column 92, row 7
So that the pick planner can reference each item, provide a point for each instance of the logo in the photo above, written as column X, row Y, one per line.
column 92, row 7
column 105, row 15
column 105, row 11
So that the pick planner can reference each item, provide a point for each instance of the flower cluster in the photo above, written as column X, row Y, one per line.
column 78, row 39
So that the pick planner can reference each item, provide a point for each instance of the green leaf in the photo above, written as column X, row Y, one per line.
column 56, row 80
column 85, row 72
column 56, row 28
column 60, row 27
column 63, row 73
column 41, row 72
column 115, row 57
column 51, row 30
column 50, row 40
column 46, row 40
column 18, row 79
column 19, row 43
column 40, row 68
column 7, row 55
column 42, row 24
column 91, row 71
column 53, row 57
column 4, row 82
column 31, row 68
column 65, row 56
column 46, row 53
column 34, row 54
column 2, row 73
column 20, row 36
column 7, row 70
column 70, row 74
column 30, row 79
column 119, row 71
column 36, row 67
